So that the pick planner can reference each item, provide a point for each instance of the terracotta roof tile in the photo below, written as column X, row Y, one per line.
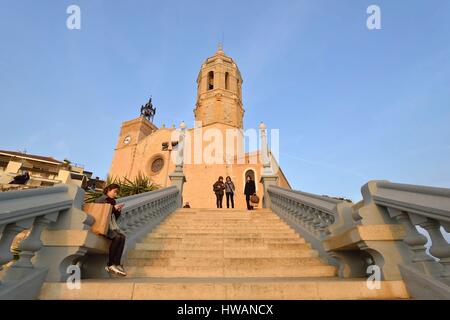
column 31, row 156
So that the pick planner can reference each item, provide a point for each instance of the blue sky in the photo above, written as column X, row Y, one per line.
column 351, row 104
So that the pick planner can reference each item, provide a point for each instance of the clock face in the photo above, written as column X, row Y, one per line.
column 127, row 140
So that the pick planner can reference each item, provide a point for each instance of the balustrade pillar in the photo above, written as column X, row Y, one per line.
column 415, row 241
column 439, row 246
column 32, row 244
column 8, row 235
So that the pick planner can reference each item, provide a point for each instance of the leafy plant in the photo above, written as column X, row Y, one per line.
column 128, row 187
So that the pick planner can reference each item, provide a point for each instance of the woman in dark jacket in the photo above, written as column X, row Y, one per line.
column 250, row 189
column 218, row 189
column 229, row 191
column 114, row 233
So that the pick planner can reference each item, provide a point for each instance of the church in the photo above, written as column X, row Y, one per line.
column 214, row 147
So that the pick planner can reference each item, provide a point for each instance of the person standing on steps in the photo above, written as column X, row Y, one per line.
column 229, row 191
column 187, row 206
column 250, row 189
column 116, row 236
column 218, row 189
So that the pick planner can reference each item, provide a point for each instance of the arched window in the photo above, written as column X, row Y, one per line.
column 227, row 81
column 210, row 80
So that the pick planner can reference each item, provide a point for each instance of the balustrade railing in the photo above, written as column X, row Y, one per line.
column 29, row 209
column 381, row 230
column 59, row 233
column 314, row 217
column 425, row 207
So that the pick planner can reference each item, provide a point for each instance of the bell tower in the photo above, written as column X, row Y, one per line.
column 219, row 92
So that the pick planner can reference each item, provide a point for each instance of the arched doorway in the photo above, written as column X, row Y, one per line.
column 251, row 173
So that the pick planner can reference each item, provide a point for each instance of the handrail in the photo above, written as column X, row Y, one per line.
column 427, row 201
column 31, row 203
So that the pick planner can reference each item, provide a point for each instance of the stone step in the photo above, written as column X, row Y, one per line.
column 232, row 272
column 229, row 221
column 226, row 210
column 219, row 253
column 189, row 229
column 220, row 232
column 224, row 262
column 217, row 235
column 199, row 289
column 216, row 209
column 226, row 218
column 206, row 246
column 225, row 225
column 224, row 241
column 208, row 236
column 199, row 232
column 218, row 216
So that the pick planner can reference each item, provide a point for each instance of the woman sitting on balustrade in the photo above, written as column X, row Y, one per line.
column 114, row 233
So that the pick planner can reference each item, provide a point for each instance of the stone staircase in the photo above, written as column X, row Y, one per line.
column 225, row 254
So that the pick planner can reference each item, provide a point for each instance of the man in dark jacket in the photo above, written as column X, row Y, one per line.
column 218, row 189
column 250, row 189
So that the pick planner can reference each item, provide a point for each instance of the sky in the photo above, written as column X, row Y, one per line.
column 351, row 104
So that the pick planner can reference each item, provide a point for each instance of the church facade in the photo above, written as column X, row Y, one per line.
column 213, row 147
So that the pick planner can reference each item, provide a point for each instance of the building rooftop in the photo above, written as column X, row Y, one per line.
column 30, row 156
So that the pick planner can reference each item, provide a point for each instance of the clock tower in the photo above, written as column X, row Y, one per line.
column 134, row 131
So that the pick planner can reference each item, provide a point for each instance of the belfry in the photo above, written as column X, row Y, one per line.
column 219, row 92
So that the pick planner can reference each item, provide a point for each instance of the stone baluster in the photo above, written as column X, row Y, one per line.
column 281, row 206
column 302, row 215
column 286, row 207
column 322, row 227
column 158, row 208
column 130, row 221
column 166, row 207
column 440, row 248
column 290, row 208
column 161, row 208
column 141, row 214
column 317, row 222
column 331, row 219
column 8, row 235
column 32, row 244
column 123, row 222
column 148, row 212
column 136, row 218
column 309, row 219
column 297, row 212
column 415, row 241
column 153, row 209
